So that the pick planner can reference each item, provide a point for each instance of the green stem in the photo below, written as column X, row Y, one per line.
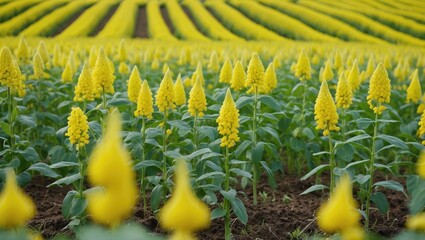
column 195, row 132
column 332, row 163
column 103, row 99
column 142, row 178
column 254, row 144
column 164, row 147
column 371, row 170
column 344, row 124
column 304, row 102
column 81, row 166
column 11, row 120
column 227, row 232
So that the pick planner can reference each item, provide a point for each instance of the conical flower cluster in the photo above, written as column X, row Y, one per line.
column 237, row 82
column 103, row 75
column 16, row 208
column 179, row 93
column 9, row 71
column 23, row 51
column 78, row 128
column 228, row 122
column 339, row 213
column 255, row 75
column 197, row 100
column 84, row 91
column 213, row 65
column 67, row 73
column 354, row 76
column 226, row 72
column 144, row 102
column 110, row 167
column 270, row 80
column 198, row 72
column 164, row 98
column 184, row 213
column 38, row 66
column 327, row 73
column 344, row 94
column 134, row 85
column 414, row 91
column 379, row 89
column 303, row 68
column 325, row 112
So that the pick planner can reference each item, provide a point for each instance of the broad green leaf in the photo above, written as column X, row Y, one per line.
column 229, row 195
column 240, row 210
column 314, row 171
column 66, row 180
column 380, row 201
column 314, row 188
column 44, row 169
column 218, row 213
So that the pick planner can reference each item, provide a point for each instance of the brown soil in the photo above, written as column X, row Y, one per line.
column 141, row 30
column 167, row 19
column 104, row 20
column 69, row 21
column 273, row 218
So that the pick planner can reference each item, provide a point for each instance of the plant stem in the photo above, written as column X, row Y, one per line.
column 103, row 98
column 227, row 232
column 344, row 124
column 164, row 147
column 10, row 105
column 142, row 178
column 371, row 169
column 81, row 166
column 254, row 144
column 332, row 164
column 304, row 83
column 195, row 132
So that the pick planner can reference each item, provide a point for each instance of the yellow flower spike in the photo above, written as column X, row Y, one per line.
column 339, row 213
column 164, row 68
column 237, row 82
column 103, row 75
column 56, row 56
column 197, row 103
column 16, row 208
column 155, row 64
column 123, row 68
column 84, row 91
column 302, row 67
column 197, row 72
column 414, row 91
column 72, row 61
column 255, row 75
column 78, row 128
column 164, row 98
column 67, row 73
column 344, row 94
column 92, row 57
column 387, row 62
column 379, row 89
column 19, row 83
column 38, row 66
column 370, row 65
column 327, row 73
column 133, row 85
column 226, row 72
column 144, row 102
column 9, row 71
column 325, row 112
column 337, row 61
column 23, row 52
column 228, row 122
column 122, row 52
column 213, row 65
column 416, row 222
column 42, row 49
column 110, row 167
column 179, row 93
column 354, row 76
column 270, row 80
column 276, row 61
column 420, row 166
column 183, row 213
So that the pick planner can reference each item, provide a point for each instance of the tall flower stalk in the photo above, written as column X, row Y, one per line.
column 196, row 107
column 303, row 72
column 379, row 93
column 228, row 124
column 103, row 76
column 164, row 99
column 255, row 84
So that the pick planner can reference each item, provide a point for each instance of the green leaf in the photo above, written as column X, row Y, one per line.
column 173, row 154
column 364, row 123
column 241, row 172
column 67, row 203
column 156, row 196
column 5, row 127
column 198, row 153
column 314, row 188
column 242, row 147
column 417, row 190
column 211, row 155
column 63, row 164
column 27, row 121
column 270, row 175
column 358, row 138
column 242, row 101
column 210, row 174
column 44, row 169
column 297, row 144
column 345, row 152
column 380, row 201
column 78, row 206
column 218, row 213
column 272, row 132
column 30, row 155
column 390, row 184
column 270, row 102
column 229, row 195
column 240, row 210
column 393, row 140
column 308, row 133
column 314, row 171
column 66, row 180
column 257, row 152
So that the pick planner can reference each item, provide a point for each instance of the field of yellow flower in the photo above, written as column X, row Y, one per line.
column 216, row 119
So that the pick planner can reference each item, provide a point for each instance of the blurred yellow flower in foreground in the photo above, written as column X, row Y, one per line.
column 16, row 208
column 184, row 213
